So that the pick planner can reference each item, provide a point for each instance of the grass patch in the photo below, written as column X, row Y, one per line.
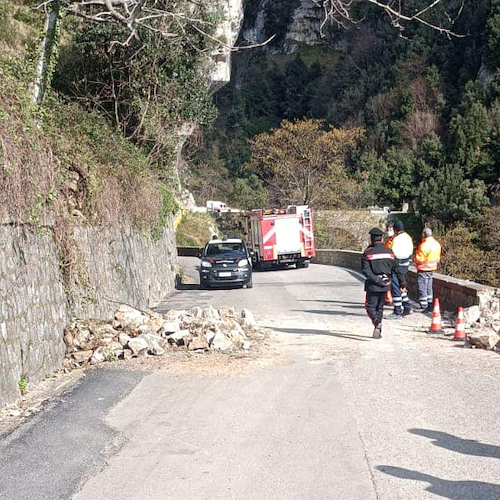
column 195, row 229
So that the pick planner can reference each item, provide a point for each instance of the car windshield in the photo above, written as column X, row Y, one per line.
column 225, row 249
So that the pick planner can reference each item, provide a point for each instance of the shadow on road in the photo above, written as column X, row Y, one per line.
column 459, row 445
column 341, row 302
column 188, row 286
column 343, row 335
column 454, row 490
column 334, row 313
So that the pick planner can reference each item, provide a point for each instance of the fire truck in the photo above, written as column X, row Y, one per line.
column 280, row 237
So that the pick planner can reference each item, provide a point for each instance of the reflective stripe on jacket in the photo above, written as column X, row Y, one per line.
column 428, row 255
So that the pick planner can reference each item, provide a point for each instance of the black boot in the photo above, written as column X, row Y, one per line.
column 377, row 332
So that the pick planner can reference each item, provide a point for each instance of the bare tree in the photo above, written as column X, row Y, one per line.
column 160, row 16
column 167, row 19
column 398, row 11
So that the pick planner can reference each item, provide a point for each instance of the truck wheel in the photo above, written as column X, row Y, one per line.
column 302, row 264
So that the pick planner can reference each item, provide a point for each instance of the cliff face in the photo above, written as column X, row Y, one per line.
column 228, row 31
column 306, row 23
column 303, row 26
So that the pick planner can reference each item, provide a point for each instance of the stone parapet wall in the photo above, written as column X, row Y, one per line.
column 189, row 251
column 452, row 292
column 342, row 258
column 119, row 265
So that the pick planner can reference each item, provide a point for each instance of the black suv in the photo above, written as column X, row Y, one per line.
column 225, row 262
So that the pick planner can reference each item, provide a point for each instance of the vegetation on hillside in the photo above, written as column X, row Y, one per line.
column 101, row 147
column 429, row 106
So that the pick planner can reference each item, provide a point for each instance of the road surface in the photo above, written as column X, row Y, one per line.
column 332, row 414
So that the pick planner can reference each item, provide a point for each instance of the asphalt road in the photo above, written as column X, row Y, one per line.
column 337, row 416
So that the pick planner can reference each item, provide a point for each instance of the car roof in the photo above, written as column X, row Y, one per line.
column 229, row 240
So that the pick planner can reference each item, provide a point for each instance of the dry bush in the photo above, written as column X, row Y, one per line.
column 424, row 118
column 124, row 199
column 419, row 125
column 462, row 258
column 28, row 170
column 382, row 106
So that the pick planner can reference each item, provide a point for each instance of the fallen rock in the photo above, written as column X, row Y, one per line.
column 123, row 338
column 210, row 314
column 198, row 343
column 128, row 318
column 82, row 356
column 221, row 343
column 484, row 339
column 180, row 338
column 139, row 346
column 247, row 319
column 154, row 343
column 471, row 315
column 98, row 356
column 170, row 327
column 82, row 338
column 155, row 322
column 127, row 354
column 135, row 333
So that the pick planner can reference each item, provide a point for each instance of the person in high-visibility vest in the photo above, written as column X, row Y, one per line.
column 402, row 247
column 426, row 259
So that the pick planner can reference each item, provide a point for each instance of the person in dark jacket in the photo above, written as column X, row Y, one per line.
column 378, row 263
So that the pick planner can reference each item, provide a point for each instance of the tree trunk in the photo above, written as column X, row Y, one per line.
column 46, row 52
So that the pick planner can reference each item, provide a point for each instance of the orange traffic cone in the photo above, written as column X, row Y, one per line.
column 388, row 298
column 436, row 326
column 460, row 325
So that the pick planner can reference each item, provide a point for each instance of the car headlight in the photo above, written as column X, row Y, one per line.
column 243, row 263
column 205, row 263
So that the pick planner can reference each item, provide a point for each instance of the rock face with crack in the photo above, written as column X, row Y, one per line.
column 135, row 333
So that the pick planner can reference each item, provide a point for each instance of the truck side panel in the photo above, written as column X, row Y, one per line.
column 288, row 237
column 268, row 238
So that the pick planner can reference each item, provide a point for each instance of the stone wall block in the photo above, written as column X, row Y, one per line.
column 120, row 264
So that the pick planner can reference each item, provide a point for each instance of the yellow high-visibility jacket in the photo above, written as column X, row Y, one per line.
column 428, row 255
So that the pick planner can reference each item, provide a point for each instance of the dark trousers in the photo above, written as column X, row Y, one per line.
column 400, row 299
column 375, row 306
column 424, row 282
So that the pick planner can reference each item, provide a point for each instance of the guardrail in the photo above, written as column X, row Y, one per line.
column 452, row 292
column 189, row 251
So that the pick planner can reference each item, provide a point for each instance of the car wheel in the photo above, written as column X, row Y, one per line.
column 249, row 284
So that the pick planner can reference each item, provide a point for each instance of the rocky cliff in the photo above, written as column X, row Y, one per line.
column 303, row 25
column 228, row 32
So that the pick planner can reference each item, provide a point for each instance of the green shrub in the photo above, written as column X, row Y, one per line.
column 195, row 229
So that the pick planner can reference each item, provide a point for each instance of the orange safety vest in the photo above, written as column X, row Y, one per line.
column 428, row 255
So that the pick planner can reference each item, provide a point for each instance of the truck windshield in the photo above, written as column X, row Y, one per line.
column 233, row 249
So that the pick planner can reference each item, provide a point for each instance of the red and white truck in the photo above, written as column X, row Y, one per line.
column 280, row 237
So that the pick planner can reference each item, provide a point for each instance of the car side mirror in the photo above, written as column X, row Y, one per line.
column 252, row 253
column 199, row 256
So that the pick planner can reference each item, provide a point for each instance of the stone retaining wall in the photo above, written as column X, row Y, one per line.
column 119, row 265
column 452, row 292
